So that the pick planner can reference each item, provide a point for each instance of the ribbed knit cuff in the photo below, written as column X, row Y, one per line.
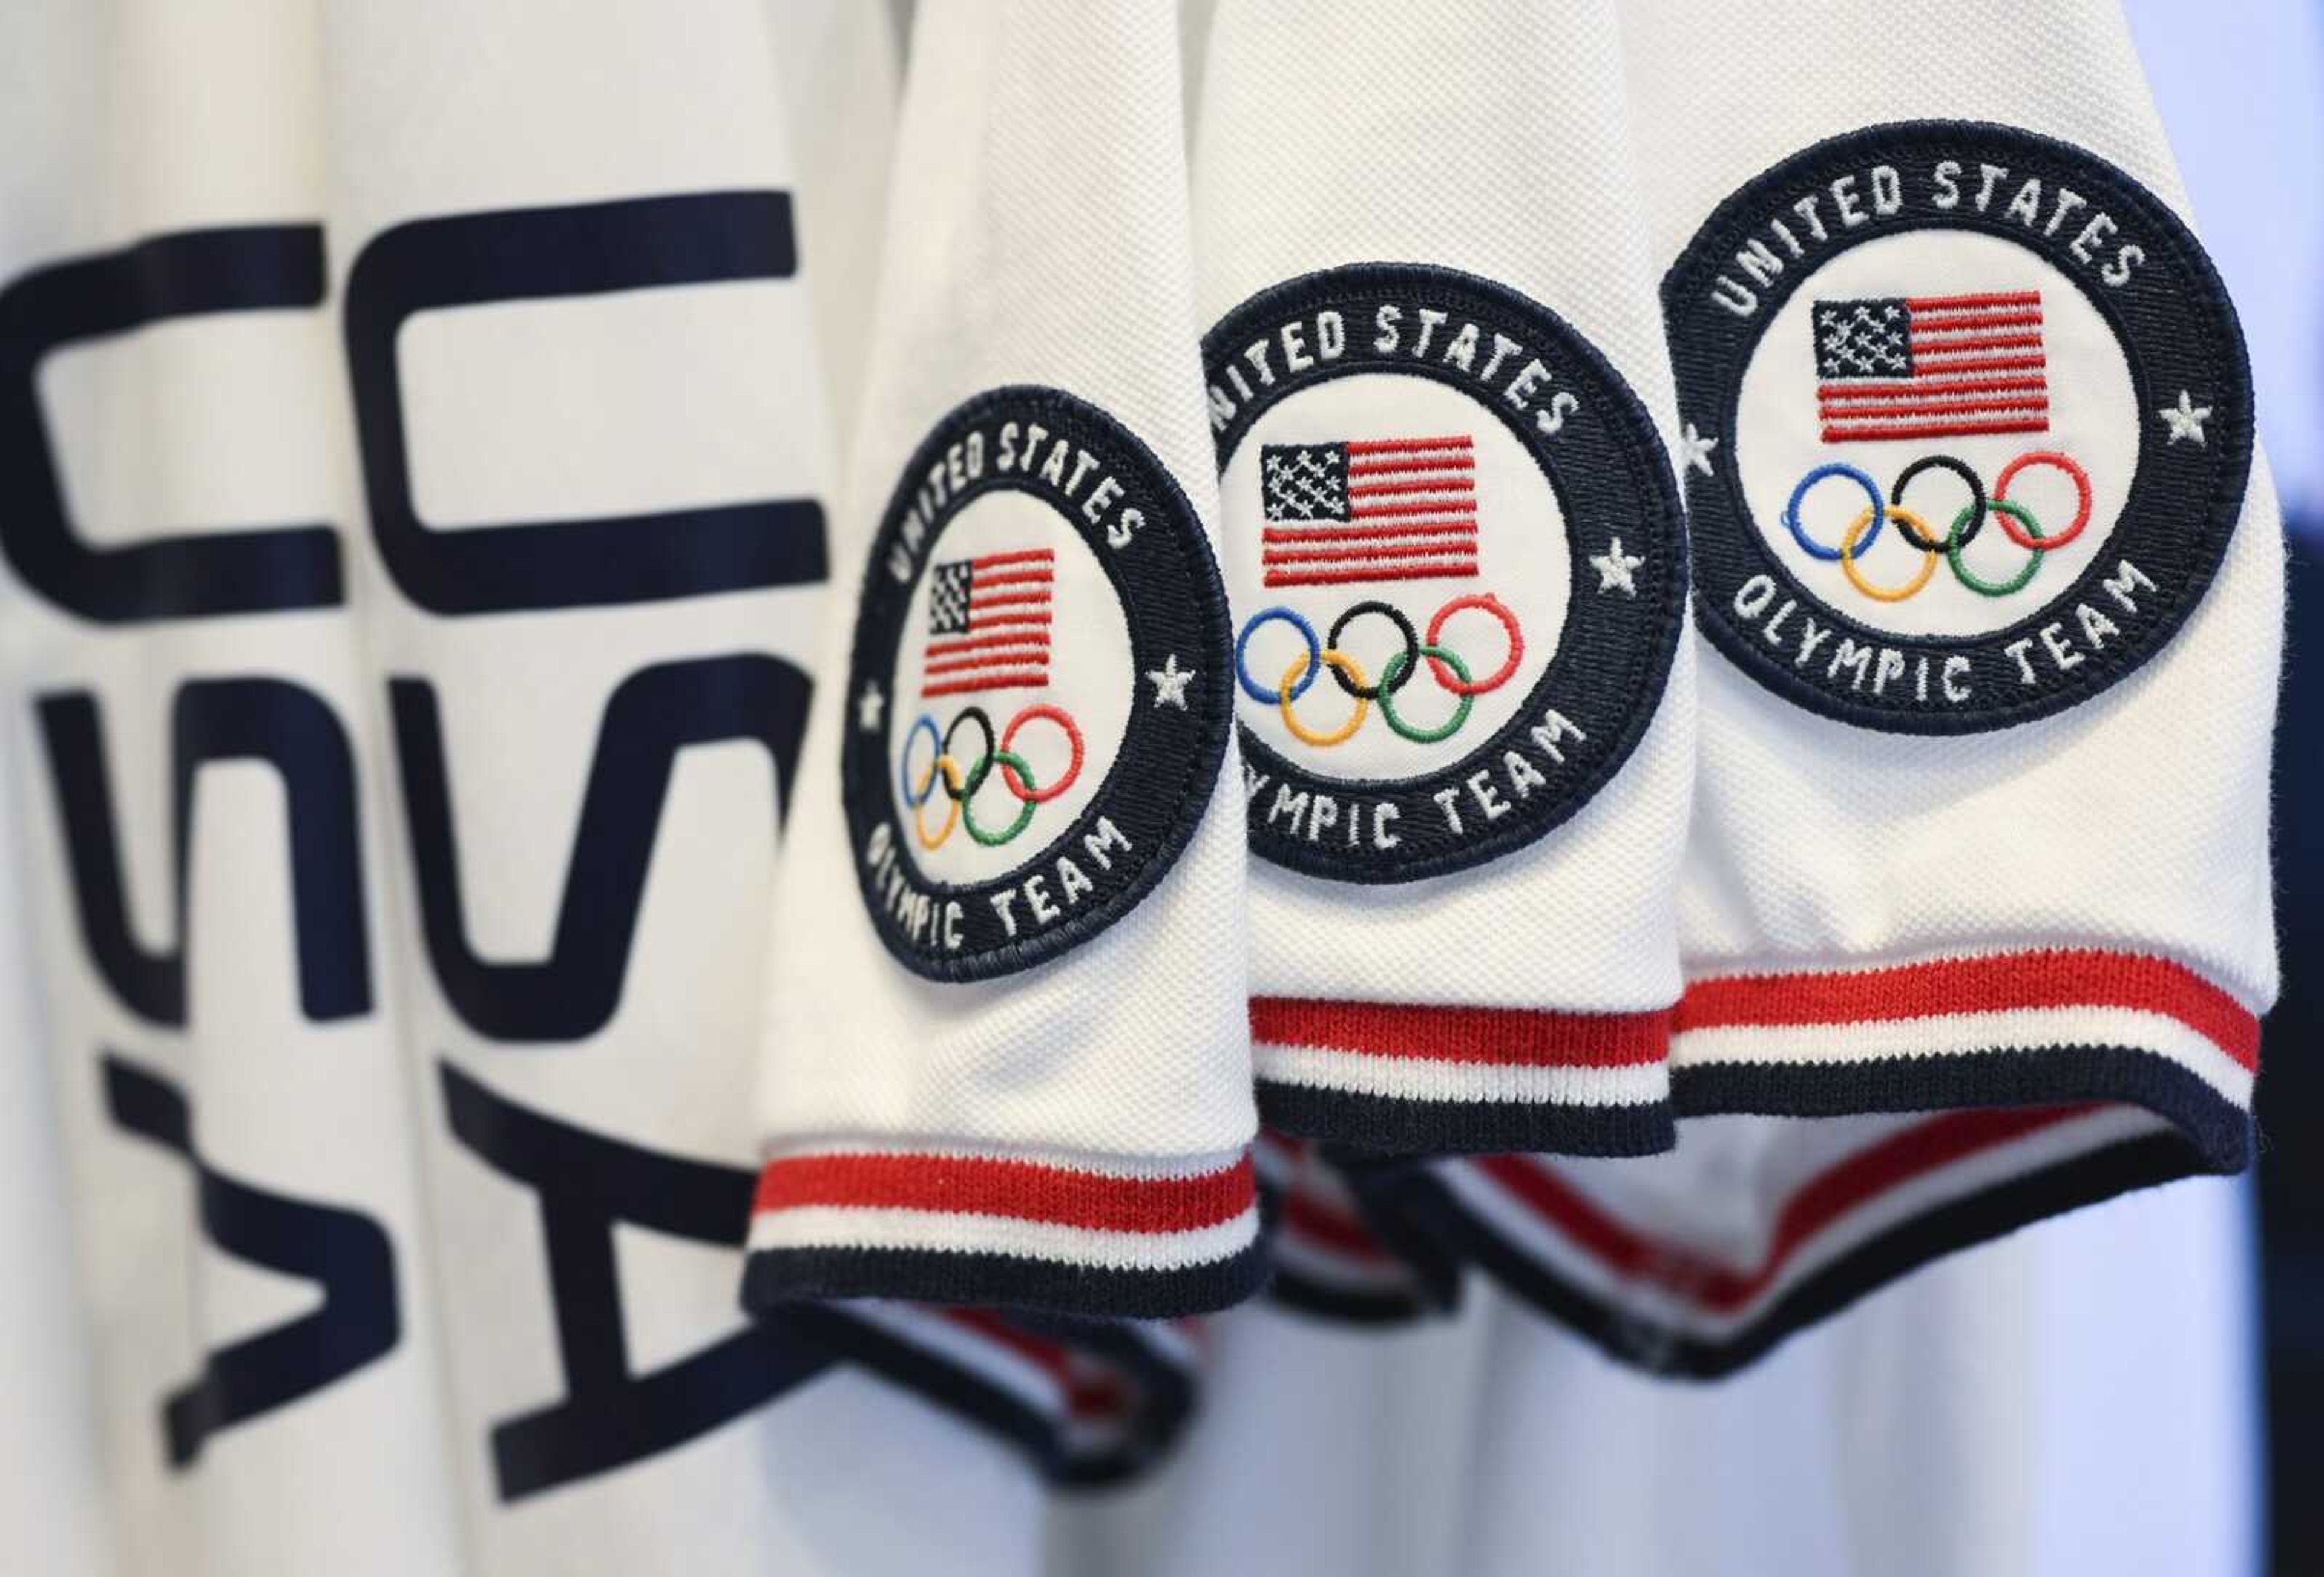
column 1329, row 1260
column 1409, row 1079
column 2050, row 1079
column 960, row 1229
column 2050, row 1025
column 1090, row 1403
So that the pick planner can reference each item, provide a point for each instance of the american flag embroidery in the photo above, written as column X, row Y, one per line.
column 1931, row 366
column 989, row 624
column 1368, row 509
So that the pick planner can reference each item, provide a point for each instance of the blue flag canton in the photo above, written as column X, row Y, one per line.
column 949, row 586
column 1864, row 339
column 1304, row 482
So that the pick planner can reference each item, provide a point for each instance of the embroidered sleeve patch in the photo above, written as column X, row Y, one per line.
column 1039, row 698
column 1967, row 424
column 1457, row 565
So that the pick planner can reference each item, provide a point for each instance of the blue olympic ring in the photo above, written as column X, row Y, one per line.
column 903, row 761
column 1799, row 532
column 1314, row 657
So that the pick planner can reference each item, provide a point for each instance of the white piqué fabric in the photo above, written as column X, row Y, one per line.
column 1490, row 140
column 1038, row 234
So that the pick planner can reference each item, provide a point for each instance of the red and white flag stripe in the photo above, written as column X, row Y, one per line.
column 1411, row 514
column 999, row 638
column 1977, row 366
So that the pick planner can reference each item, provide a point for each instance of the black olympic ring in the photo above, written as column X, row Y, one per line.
column 1411, row 651
column 975, row 780
column 1977, row 505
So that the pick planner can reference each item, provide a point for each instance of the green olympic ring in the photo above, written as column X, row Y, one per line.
column 976, row 779
column 1392, row 677
column 1968, row 578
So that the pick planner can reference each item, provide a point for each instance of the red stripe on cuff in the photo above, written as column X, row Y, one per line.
column 2003, row 982
column 1088, row 1390
column 1514, row 1036
column 1819, row 1203
column 1328, row 1227
column 1025, row 1190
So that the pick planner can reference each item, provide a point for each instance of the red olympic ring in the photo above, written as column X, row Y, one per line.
column 2064, row 462
column 1016, row 784
column 1489, row 604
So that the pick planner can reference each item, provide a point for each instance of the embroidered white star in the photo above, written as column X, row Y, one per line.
column 868, row 708
column 1170, row 682
column 1614, row 569
column 1698, row 449
column 2185, row 419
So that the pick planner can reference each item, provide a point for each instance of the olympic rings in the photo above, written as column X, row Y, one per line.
column 1452, row 672
column 1489, row 604
column 1976, row 493
column 1341, row 663
column 1389, row 684
column 1792, row 509
column 961, row 784
column 1242, row 643
column 1411, row 652
column 2008, row 509
column 2017, row 523
column 1909, row 525
column 2081, row 480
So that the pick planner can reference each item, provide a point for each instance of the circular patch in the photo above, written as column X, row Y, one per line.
column 1458, row 562
column 1967, row 421
column 1039, row 698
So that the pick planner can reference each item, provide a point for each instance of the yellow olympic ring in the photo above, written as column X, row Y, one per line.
column 919, row 812
column 1351, row 671
column 1856, row 531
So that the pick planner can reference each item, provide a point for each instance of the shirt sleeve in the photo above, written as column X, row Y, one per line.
column 1008, row 1059
column 1440, row 402
column 1977, row 880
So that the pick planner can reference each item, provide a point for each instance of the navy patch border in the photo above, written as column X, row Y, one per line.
column 2176, row 327
column 1161, row 780
column 1612, row 476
